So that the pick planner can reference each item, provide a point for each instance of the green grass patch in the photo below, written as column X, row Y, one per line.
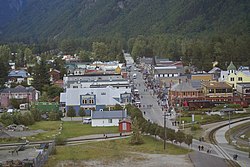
column 237, row 128
column 51, row 128
column 112, row 150
column 75, row 129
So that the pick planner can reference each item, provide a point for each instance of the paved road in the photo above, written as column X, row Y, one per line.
column 199, row 160
column 154, row 113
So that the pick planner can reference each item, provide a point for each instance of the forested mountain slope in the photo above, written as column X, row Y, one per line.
column 58, row 19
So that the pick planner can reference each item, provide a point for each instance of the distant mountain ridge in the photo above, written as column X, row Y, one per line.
column 57, row 19
column 9, row 9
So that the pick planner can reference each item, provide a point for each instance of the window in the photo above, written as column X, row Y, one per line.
column 91, row 101
column 109, row 120
column 247, row 90
column 211, row 91
column 84, row 101
column 239, row 78
column 232, row 79
column 103, row 93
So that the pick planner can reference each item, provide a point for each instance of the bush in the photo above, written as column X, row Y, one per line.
column 54, row 116
column 59, row 140
column 195, row 127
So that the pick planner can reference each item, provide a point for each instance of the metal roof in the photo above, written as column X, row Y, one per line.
column 18, row 89
column 183, row 87
column 109, row 114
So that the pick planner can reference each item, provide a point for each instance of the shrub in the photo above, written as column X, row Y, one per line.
column 59, row 140
column 195, row 127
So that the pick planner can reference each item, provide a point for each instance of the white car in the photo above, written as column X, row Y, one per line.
column 86, row 121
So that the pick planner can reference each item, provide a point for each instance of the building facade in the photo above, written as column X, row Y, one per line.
column 20, row 93
column 95, row 98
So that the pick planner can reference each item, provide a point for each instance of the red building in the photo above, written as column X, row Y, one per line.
column 124, row 126
column 54, row 75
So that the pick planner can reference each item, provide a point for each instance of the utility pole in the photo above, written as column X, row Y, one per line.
column 229, row 127
column 165, row 133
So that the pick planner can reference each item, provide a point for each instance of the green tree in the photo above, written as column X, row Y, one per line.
column 54, row 116
column 100, row 50
column 85, row 56
column 82, row 113
column 41, row 75
column 189, row 139
column 136, row 137
column 28, row 56
column 7, row 119
column 71, row 112
column 54, row 91
column 4, row 66
column 180, row 137
column 36, row 114
column 44, row 97
column 19, row 58
column 118, row 107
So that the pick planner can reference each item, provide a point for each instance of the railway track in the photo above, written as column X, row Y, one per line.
column 228, row 158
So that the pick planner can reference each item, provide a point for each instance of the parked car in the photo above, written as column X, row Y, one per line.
column 86, row 121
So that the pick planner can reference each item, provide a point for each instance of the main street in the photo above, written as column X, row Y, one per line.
column 149, row 105
column 153, row 112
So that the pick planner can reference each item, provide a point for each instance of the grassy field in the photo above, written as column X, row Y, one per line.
column 76, row 129
column 112, row 150
column 236, row 128
column 51, row 128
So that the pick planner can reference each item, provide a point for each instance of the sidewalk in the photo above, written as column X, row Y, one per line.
column 98, row 136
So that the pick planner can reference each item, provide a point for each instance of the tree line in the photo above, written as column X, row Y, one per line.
column 147, row 127
column 29, row 117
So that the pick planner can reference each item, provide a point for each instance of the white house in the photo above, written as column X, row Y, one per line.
column 95, row 98
column 107, row 118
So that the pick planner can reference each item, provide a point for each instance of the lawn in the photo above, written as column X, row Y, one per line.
column 236, row 128
column 76, row 129
column 197, row 118
column 112, row 150
column 51, row 128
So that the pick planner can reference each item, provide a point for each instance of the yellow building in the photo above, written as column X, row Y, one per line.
column 202, row 77
column 233, row 76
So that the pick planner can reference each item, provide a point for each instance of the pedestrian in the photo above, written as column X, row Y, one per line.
column 202, row 147
column 199, row 147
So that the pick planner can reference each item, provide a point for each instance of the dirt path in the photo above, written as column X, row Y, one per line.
column 135, row 160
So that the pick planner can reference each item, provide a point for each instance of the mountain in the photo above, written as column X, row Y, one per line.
column 9, row 9
column 57, row 19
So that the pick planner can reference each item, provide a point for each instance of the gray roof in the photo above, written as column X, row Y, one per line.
column 169, row 71
column 18, row 73
column 18, row 89
column 196, row 84
column 109, row 114
column 244, row 85
column 183, row 87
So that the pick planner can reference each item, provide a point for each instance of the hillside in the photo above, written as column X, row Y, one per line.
column 9, row 9
column 57, row 19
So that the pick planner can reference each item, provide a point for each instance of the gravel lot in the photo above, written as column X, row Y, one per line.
column 136, row 160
